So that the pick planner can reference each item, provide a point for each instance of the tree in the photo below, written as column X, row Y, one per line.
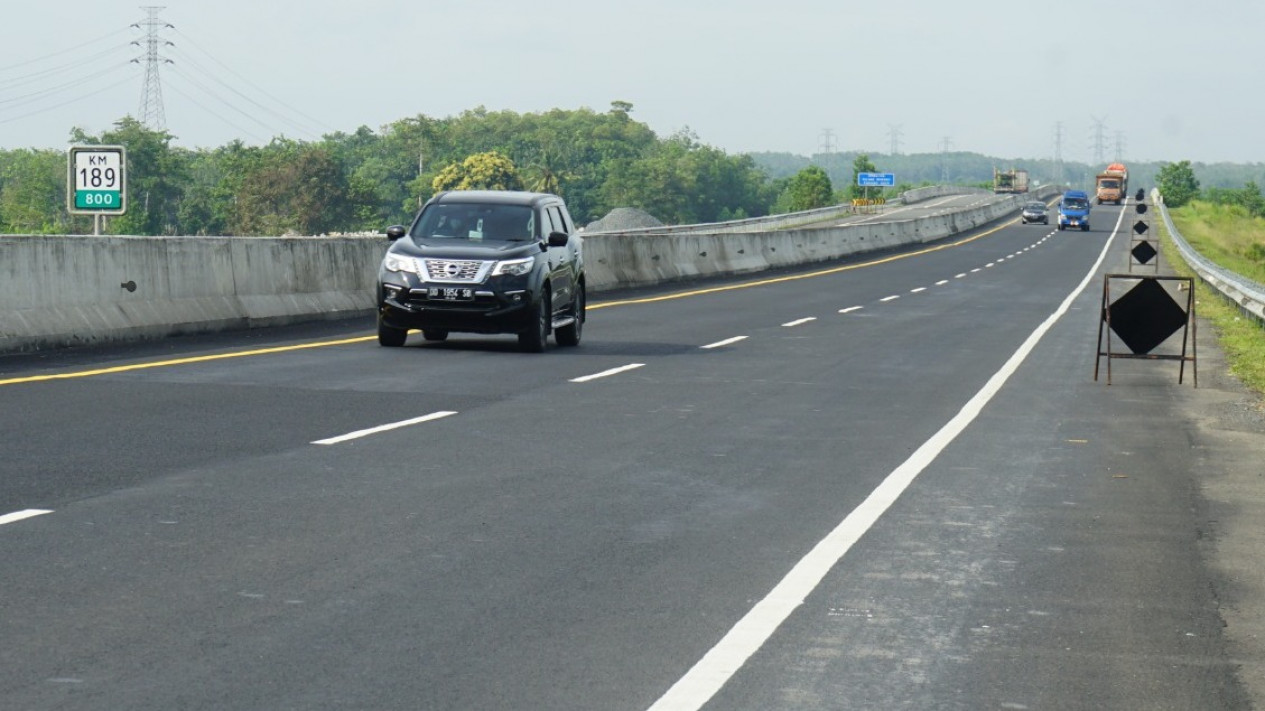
column 861, row 164
column 809, row 189
column 1177, row 183
column 481, row 171
column 289, row 187
column 33, row 192
column 1251, row 199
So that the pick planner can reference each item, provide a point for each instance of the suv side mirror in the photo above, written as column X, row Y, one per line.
column 558, row 239
column 395, row 232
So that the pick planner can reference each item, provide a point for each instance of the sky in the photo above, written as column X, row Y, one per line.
column 1163, row 80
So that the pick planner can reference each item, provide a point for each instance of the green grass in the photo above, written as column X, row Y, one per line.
column 1231, row 239
column 1226, row 235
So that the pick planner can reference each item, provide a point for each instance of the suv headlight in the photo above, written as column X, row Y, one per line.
column 397, row 263
column 514, row 267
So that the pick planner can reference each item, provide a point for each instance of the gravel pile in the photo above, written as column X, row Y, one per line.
column 624, row 218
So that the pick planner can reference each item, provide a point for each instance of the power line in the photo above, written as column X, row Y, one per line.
column 75, row 66
column 256, row 87
column 35, row 96
column 198, row 104
column 189, row 62
column 68, row 102
column 58, row 53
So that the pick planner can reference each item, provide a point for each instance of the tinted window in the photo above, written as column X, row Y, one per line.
column 548, row 222
column 559, row 224
column 472, row 221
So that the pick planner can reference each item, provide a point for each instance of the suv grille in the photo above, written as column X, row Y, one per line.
column 444, row 270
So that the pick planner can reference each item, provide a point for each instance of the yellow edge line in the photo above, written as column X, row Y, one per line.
column 602, row 305
column 181, row 361
column 796, row 277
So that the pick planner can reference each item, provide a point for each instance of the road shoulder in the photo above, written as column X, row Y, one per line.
column 1230, row 449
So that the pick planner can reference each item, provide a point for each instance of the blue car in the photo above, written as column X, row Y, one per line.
column 1074, row 210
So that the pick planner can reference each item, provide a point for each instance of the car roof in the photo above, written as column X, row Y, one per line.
column 495, row 197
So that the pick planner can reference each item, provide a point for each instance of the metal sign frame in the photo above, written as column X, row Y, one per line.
column 102, row 165
column 1189, row 330
column 1136, row 239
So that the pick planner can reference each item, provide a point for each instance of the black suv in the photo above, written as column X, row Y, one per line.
column 483, row 261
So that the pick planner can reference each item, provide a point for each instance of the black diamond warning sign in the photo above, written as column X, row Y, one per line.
column 1143, row 252
column 1141, row 227
column 1145, row 316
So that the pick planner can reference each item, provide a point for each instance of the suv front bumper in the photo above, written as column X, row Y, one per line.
column 488, row 311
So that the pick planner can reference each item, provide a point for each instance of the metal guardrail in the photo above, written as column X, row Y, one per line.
column 1248, row 294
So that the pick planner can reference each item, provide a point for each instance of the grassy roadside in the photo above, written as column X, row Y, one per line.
column 1231, row 241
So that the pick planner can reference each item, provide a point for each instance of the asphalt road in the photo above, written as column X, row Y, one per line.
column 885, row 483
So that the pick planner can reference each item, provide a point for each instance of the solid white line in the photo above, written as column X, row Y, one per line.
column 850, row 309
column 918, row 290
column 890, row 298
column 724, row 660
column 800, row 322
column 20, row 515
column 383, row 428
column 725, row 342
column 607, row 373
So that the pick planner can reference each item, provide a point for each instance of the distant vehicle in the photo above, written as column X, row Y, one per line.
column 1035, row 211
column 1113, row 184
column 1074, row 210
column 483, row 261
column 1010, row 181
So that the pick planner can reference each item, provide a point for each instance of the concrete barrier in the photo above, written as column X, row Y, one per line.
column 643, row 257
column 58, row 291
column 74, row 290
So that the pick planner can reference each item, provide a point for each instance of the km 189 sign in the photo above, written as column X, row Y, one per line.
column 97, row 181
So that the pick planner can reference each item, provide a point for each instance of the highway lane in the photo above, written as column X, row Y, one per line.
column 559, row 544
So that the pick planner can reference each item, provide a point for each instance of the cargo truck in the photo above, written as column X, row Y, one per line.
column 1113, row 184
column 1010, row 181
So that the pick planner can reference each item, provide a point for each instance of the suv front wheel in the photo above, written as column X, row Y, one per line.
column 534, row 338
column 391, row 337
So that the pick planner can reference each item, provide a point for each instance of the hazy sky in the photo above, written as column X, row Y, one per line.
column 1168, row 80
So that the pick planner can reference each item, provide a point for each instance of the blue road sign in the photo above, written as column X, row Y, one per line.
column 876, row 180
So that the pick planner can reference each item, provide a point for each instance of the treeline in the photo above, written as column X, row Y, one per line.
column 966, row 168
column 368, row 179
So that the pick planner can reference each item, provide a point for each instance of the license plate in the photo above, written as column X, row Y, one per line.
column 451, row 293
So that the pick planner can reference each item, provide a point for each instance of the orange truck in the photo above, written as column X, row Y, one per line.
column 1113, row 184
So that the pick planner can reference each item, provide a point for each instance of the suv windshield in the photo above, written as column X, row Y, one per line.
column 473, row 221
